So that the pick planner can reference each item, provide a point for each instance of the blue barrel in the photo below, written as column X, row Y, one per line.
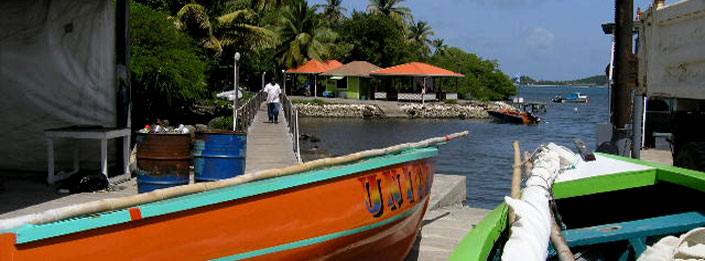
column 219, row 155
column 147, row 182
column 163, row 160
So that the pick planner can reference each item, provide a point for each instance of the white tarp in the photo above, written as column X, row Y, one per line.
column 56, row 70
column 531, row 231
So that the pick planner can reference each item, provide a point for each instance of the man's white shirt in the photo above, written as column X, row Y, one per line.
column 273, row 92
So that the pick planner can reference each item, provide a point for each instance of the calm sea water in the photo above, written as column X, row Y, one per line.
column 486, row 156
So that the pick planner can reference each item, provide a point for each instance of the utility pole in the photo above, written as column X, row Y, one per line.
column 623, row 85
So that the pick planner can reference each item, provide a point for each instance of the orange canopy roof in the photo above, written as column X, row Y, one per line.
column 416, row 69
column 315, row 67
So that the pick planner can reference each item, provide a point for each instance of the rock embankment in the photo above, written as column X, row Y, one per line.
column 469, row 110
column 452, row 111
column 339, row 110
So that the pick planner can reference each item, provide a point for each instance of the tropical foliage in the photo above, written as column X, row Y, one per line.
column 303, row 35
column 391, row 9
column 332, row 11
column 168, row 70
column 183, row 49
column 419, row 33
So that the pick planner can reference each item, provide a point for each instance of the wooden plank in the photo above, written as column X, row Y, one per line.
column 634, row 229
column 268, row 145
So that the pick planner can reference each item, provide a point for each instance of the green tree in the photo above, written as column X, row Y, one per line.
column 418, row 36
column 219, row 25
column 168, row 70
column 376, row 39
column 303, row 33
column 332, row 10
column 439, row 46
column 391, row 9
column 483, row 80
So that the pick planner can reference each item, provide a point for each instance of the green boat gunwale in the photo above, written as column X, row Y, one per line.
column 31, row 232
column 478, row 243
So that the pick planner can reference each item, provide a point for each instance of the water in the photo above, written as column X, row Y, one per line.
column 486, row 156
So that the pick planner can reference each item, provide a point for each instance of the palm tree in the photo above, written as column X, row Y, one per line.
column 332, row 10
column 440, row 46
column 390, row 8
column 418, row 35
column 214, row 31
column 303, row 35
column 260, row 5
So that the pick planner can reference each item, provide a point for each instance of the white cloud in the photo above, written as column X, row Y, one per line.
column 539, row 39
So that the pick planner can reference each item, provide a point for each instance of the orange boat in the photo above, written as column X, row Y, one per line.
column 512, row 116
column 368, row 208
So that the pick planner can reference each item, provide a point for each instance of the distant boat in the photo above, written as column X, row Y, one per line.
column 572, row 98
column 515, row 116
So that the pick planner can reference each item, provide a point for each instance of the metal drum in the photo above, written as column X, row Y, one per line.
column 162, row 160
column 219, row 155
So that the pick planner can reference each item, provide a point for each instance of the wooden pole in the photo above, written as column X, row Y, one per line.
column 528, row 164
column 559, row 242
column 516, row 179
column 111, row 204
column 564, row 253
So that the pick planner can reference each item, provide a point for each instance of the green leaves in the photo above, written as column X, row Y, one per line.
column 167, row 70
column 303, row 35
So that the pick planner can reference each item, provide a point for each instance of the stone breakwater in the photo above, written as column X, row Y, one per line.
column 453, row 111
column 339, row 110
column 473, row 110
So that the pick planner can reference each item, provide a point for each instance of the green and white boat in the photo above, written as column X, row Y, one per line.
column 611, row 208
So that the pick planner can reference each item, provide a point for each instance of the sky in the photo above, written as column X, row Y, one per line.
column 544, row 39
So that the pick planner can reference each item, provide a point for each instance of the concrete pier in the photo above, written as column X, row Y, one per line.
column 447, row 219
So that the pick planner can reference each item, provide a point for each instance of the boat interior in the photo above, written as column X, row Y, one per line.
column 638, row 217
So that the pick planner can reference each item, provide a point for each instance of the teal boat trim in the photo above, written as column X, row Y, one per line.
column 31, row 232
column 320, row 239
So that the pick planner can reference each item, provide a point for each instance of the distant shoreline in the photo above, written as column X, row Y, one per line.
column 563, row 86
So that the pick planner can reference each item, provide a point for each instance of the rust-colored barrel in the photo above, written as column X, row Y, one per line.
column 162, row 160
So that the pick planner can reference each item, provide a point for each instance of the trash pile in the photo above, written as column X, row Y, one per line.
column 165, row 129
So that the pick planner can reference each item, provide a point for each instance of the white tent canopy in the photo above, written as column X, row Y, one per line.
column 57, row 69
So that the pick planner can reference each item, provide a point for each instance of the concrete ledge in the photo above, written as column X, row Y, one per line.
column 447, row 190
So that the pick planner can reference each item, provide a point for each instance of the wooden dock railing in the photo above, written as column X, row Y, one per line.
column 247, row 111
column 292, row 118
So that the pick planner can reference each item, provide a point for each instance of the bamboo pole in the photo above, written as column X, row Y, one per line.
column 111, row 204
column 564, row 253
column 559, row 242
column 528, row 164
column 516, row 179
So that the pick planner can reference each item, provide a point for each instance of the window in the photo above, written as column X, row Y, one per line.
column 342, row 83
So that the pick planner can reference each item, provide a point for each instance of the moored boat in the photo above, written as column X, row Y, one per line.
column 572, row 98
column 515, row 116
column 367, row 205
column 610, row 209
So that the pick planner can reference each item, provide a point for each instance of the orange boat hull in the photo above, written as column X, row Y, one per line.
column 374, row 214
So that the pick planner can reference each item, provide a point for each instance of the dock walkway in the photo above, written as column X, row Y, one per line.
column 269, row 145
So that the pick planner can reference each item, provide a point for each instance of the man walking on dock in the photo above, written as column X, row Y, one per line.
column 273, row 91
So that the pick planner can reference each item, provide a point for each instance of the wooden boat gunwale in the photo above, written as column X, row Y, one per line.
column 30, row 232
column 479, row 242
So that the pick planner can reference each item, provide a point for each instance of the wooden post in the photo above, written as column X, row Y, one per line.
column 564, row 253
column 516, row 179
